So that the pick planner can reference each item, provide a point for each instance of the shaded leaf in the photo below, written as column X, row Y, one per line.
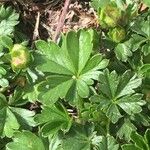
column 125, row 130
column 107, row 143
column 54, row 118
column 78, row 138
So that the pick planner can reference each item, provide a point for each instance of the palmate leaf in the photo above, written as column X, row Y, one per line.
column 141, row 27
column 79, row 138
column 117, row 92
column 139, row 142
column 54, row 118
column 82, row 137
column 11, row 118
column 107, row 143
column 8, row 19
column 85, row 138
column 140, row 39
column 25, row 140
column 71, row 67
column 126, row 129
column 125, row 50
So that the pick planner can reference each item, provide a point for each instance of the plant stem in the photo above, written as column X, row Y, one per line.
column 108, row 127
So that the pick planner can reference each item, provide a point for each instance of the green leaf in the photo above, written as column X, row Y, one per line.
column 6, row 42
column 4, row 82
column 9, row 123
column 147, row 2
column 12, row 118
column 53, row 61
column 27, row 141
column 125, row 50
column 146, row 49
column 71, row 68
column 72, row 39
column 96, row 36
column 85, row 49
column 130, row 147
column 140, row 142
column 131, row 104
column 125, row 130
column 30, row 92
column 24, row 117
column 54, row 87
column 2, row 71
column 54, row 142
column 99, row 3
column 107, row 143
column 54, row 118
column 147, row 137
column 141, row 26
column 79, row 138
column 117, row 92
column 8, row 19
column 145, row 70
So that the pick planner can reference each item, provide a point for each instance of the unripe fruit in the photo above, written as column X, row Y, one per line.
column 20, row 57
column 117, row 34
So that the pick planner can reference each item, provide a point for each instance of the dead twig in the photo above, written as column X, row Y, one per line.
column 36, row 29
column 61, row 20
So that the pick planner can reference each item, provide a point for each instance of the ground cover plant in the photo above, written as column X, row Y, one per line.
column 88, row 91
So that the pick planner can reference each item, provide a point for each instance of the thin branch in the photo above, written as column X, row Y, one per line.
column 61, row 20
column 36, row 29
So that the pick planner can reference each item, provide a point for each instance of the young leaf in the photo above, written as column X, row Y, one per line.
column 117, row 92
column 26, row 141
column 71, row 67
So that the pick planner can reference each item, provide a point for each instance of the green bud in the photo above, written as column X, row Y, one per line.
column 20, row 57
column 110, row 15
column 117, row 34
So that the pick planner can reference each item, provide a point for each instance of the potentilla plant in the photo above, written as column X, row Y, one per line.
column 91, row 91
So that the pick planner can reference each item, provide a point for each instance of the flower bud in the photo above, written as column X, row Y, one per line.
column 117, row 34
column 109, row 16
column 20, row 57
